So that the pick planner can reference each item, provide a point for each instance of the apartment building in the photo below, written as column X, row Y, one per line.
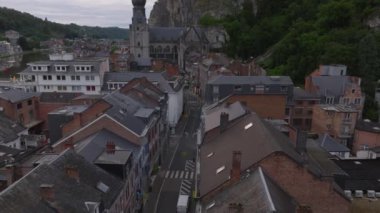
column 336, row 120
column 63, row 73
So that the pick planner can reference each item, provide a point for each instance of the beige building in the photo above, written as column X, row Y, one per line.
column 337, row 120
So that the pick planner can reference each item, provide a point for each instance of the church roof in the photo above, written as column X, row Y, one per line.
column 165, row 34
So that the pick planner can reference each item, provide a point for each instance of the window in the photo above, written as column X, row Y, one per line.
column 61, row 77
column 353, row 91
column 31, row 114
column 237, row 88
column 284, row 89
column 90, row 78
column 62, row 88
column 46, row 87
column 346, row 100
column 347, row 115
column 298, row 111
column 215, row 89
column 50, row 77
column 260, row 88
column 330, row 113
column 328, row 126
column 329, row 100
column 19, row 105
column 90, row 88
column 357, row 101
column 75, row 78
column 76, row 88
column 21, row 118
column 44, row 77
column 297, row 122
column 30, row 102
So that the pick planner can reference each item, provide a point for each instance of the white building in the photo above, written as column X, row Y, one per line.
column 173, row 87
column 63, row 73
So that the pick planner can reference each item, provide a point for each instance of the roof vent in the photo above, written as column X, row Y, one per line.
column 371, row 193
column 358, row 193
column 376, row 128
column 357, row 162
column 209, row 206
column 348, row 193
column 211, row 154
column 102, row 187
column 367, row 120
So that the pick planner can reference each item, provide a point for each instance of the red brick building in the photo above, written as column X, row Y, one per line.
column 366, row 136
column 302, row 113
column 260, row 145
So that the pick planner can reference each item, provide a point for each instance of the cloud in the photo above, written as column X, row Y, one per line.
column 104, row 13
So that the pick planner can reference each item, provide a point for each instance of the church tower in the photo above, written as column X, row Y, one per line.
column 139, row 34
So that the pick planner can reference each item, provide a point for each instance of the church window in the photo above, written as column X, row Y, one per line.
column 167, row 49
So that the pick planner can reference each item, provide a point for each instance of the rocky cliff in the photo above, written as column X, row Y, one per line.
column 174, row 13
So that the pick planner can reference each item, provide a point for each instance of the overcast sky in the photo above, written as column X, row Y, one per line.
column 104, row 13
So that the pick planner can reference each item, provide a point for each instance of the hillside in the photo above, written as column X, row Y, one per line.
column 295, row 36
column 37, row 29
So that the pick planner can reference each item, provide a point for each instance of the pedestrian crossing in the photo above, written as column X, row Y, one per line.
column 179, row 174
column 190, row 165
column 185, row 188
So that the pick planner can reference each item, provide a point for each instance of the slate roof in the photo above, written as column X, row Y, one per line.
column 255, row 143
column 250, row 80
column 160, row 78
column 70, row 195
column 362, row 174
column 70, row 110
column 337, row 108
column 165, row 34
column 256, row 192
column 9, row 129
column 331, row 85
column 212, row 114
column 320, row 160
column 301, row 94
column 123, row 110
column 93, row 146
column 15, row 95
column 58, row 97
column 329, row 144
column 368, row 126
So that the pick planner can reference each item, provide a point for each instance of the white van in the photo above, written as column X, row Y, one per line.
column 183, row 203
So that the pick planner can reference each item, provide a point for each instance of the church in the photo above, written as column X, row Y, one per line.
column 173, row 44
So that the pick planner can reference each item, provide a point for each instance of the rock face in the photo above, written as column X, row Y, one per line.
column 176, row 13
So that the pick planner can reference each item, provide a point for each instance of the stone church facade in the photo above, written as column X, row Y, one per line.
column 169, row 43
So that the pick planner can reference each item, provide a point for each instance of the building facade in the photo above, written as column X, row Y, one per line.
column 302, row 112
column 63, row 73
column 336, row 120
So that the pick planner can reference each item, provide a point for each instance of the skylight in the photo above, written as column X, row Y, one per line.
column 102, row 187
column 248, row 126
column 210, row 205
column 211, row 154
column 220, row 169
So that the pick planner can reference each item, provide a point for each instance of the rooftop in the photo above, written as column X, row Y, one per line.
column 9, row 129
column 337, row 108
column 66, row 197
column 368, row 126
column 255, row 192
column 15, row 95
column 251, row 80
column 257, row 140
column 70, row 110
column 362, row 174
column 330, row 145
column 301, row 94
column 58, row 97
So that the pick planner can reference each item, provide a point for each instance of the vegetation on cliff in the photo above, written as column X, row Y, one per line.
column 298, row 35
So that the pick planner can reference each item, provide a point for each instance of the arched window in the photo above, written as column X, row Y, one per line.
column 167, row 49
column 159, row 49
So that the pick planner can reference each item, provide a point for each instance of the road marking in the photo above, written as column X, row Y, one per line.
column 167, row 174
column 191, row 175
column 181, row 175
column 176, row 174
column 187, row 174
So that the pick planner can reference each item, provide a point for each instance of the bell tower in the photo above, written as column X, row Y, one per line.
column 139, row 34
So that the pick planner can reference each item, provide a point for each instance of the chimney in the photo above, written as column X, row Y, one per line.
column 236, row 166
column 301, row 141
column 224, row 117
column 110, row 147
column 72, row 172
column 47, row 192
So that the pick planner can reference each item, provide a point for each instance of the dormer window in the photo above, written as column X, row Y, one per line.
column 82, row 68
column 60, row 68
column 41, row 68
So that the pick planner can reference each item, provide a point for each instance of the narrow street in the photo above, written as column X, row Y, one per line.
column 178, row 172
